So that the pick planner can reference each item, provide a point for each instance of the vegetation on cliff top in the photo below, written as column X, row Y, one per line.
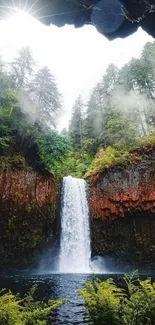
column 121, row 156
column 117, row 120
column 133, row 304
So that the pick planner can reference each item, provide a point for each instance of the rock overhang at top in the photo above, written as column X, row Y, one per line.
column 112, row 18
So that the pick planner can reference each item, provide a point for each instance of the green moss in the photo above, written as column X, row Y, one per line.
column 14, row 162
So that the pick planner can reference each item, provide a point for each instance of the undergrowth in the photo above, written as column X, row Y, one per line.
column 119, row 155
column 26, row 311
column 133, row 304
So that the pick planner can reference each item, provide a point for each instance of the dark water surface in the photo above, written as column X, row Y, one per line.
column 56, row 286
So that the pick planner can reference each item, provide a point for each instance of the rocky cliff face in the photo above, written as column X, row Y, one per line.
column 29, row 204
column 122, row 208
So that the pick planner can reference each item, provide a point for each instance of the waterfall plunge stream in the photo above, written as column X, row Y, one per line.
column 75, row 249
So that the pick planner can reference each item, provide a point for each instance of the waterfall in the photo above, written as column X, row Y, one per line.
column 75, row 250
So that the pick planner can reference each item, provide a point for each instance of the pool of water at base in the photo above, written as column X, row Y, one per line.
column 56, row 286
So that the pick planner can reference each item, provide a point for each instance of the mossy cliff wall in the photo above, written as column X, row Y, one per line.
column 122, row 213
column 29, row 223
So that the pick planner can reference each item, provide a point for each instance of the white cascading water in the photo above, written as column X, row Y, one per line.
column 75, row 249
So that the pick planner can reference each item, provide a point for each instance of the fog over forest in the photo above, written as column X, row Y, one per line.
column 77, row 57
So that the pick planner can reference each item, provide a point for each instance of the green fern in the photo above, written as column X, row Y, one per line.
column 26, row 311
column 107, row 304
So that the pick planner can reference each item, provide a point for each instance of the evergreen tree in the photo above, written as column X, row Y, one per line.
column 108, row 87
column 64, row 132
column 76, row 125
column 110, row 79
column 99, row 107
column 118, row 130
column 45, row 94
column 93, row 123
column 22, row 69
column 148, row 59
column 137, row 82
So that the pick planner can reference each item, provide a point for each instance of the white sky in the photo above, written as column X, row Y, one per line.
column 77, row 57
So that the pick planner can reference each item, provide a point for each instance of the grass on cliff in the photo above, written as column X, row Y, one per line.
column 119, row 155
column 26, row 311
column 134, row 304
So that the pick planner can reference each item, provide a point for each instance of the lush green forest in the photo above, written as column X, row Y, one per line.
column 105, row 131
column 118, row 117
column 29, row 104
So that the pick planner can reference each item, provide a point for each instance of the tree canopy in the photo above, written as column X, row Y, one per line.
column 29, row 102
column 120, row 109
column 119, row 114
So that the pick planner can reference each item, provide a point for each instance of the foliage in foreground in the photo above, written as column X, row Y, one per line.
column 107, row 304
column 26, row 311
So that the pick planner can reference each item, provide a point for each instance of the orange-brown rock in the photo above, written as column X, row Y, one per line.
column 22, row 187
column 123, row 194
column 122, row 213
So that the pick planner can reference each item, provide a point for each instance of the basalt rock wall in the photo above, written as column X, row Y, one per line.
column 29, row 210
column 122, row 212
